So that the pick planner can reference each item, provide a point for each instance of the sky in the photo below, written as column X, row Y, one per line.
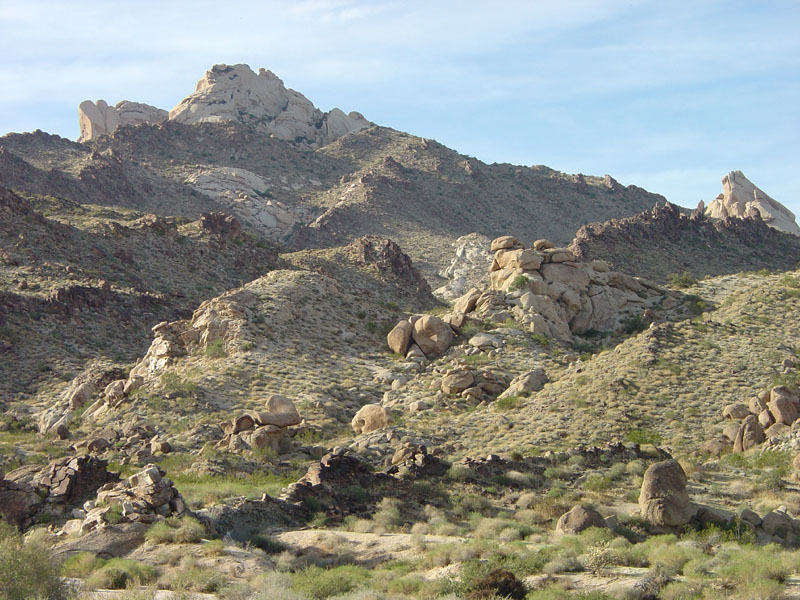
column 667, row 95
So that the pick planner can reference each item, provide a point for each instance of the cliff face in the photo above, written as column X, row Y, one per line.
column 742, row 198
column 663, row 240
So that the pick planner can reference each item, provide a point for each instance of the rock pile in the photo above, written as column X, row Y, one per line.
column 57, row 488
column 144, row 497
column 741, row 198
column 767, row 416
column 260, row 430
column 553, row 293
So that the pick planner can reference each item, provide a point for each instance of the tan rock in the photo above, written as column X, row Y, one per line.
column 777, row 430
column 740, row 197
column 783, row 409
column 505, row 242
column 399, row 337
column 466, row 303
column 578, row 519
column 756, row 405
column 370, row 417
column 663, row 499
column 765, row 418
column 432, row 335
column 456, row 382
column 735, row 411
column 750, row 434
column 566, row 273
column 543, row 245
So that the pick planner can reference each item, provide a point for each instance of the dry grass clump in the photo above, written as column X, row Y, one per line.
column 183, row 530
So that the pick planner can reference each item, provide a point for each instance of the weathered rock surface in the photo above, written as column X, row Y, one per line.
column 98, row 118
column 741, row 198
column 236, row 93
column 432, row 335
column 663, row 499
column 468, row 268
column 369, row 418
column 578, row 519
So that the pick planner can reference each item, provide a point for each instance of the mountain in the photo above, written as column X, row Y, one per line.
column 740, row 198
column 222, row 361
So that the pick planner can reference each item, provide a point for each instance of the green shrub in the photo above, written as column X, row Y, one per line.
column 191, row 577
column 520, row 282
column 634, row 324
column 216, row 349
column 318, row 583
column 643, row 436
column 27, row 568
column 508, row 403
column 183, row 530
column 121, row 573
column 681, row 280
column 81, row 565
column 267, row 543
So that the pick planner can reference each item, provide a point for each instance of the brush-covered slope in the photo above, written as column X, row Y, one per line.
column 663, row 241
column 80, row 282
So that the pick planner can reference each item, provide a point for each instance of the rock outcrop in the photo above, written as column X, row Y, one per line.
column 236, row 93
column 261, row 430
column 665, row 240
column 663, row 500
column 468, row 267
column 98, row 118
column 245, row 194
column 741, row 198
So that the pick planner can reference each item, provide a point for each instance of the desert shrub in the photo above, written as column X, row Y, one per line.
column 184, row 530
column 121, row 573
column 595, row 482
column 27, row 568
column 497, row 583
column 520, row 282
column 267, row 543
column 508, row 403
column 191, row 577
column 81, row 565
column 214, row 548
column 643, row 436
column 634, row 324
column 681, row 280
column 388, row 514
column 460, row 473
column 216, row 349
column 465, row 504
column 318, row 583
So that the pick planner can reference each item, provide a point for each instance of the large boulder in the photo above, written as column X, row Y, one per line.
column 532, row 381
column 98, row 118
column 663, row 499
column 578, row 519
column 466, row 303
column 782, row 406
column 399, row 337
column 432, row 335
column 370, row 417
column 456, row 382
column 18, row 503
column 750, row 434
column 281, row 412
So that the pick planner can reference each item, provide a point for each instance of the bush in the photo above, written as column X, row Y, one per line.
column 191, row 577
column 27, row 569
column 520, row 282
column 497, row 582
column 184, row 530
column 81, row 565
column 681, row 280
column 643, row 436
column 318, row 584
column 267, row 543
column 121, row 573
column 216, row 349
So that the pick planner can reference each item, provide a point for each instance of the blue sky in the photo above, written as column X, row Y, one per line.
column 666, row 95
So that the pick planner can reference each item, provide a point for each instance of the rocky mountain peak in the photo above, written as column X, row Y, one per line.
column 236, row 93
column 740, row 198
column 98, row 118
column 231, row 93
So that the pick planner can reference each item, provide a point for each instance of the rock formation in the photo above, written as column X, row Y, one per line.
column 741, row 198
column 468, row 267
column 236, row 93
column 98, row 118
column 663, row 500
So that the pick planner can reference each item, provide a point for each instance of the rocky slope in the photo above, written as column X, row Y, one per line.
column 664, row 241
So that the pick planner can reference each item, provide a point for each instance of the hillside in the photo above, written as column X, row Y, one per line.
column 664, row 241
